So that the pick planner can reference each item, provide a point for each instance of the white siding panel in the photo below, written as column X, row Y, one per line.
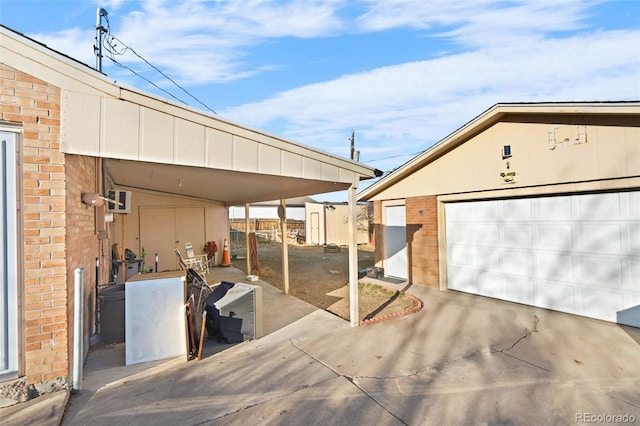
column 220, row 149
column 156, row 136
column 121, row 130
column 312, row 169
column 80, row 136
column 189, row 143
column 330, row 172
column 574, row 253
column 291, row 164
column 269, row 160
column 245, row 155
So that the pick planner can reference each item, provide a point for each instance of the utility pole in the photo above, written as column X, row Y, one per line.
column 354, row 154
column 97, row 48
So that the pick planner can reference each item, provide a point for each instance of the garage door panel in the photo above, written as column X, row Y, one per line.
column 599, row 270
column 557, row 296
column 517, row 289
column 634, row 237
column 554, row 266
column 486, row 234
column 461, row 256
column 486, row 210
column 603, row 304
column 462, row 234
column 553, row 208
column 599, row 206
column 519, row 263
column 554, row 236
column 573, row 253
column 518, row 209
column 463, row 279
column 488, row 284
column 518, row 235
column 487, row 259
column 600, row 237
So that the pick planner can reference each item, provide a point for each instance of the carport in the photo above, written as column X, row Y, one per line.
column 150, row 144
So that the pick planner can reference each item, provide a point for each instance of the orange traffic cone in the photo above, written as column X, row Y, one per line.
column 226, row 260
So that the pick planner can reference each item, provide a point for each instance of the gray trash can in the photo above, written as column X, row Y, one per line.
column 112, row 313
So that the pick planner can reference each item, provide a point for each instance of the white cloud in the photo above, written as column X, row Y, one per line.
column 404, row 108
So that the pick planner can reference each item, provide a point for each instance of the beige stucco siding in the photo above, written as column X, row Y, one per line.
column 609, row 152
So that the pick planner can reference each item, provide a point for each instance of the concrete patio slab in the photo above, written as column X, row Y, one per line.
column 462, row 359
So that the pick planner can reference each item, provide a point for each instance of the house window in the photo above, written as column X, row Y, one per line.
column 9, row 249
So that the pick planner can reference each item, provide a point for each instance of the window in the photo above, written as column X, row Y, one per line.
column 9, row 258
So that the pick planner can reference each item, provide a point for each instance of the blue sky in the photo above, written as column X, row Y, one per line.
column 402, row 74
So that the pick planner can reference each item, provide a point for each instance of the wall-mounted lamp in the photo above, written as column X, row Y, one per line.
column 93, row 199
column 96, row 200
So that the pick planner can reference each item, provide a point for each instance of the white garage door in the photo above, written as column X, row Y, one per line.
column 395, row 242
column 578, row 254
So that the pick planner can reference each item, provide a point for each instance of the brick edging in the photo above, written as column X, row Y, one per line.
column 399, row 314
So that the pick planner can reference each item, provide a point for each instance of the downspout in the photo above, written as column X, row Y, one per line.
column 78, row 319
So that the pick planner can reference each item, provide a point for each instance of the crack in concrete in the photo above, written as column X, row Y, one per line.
column 351, row 379
column 529, row 333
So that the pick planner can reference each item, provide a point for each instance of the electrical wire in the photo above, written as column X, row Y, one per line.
column 147, row 80
column 111, row 47
column 394, row 156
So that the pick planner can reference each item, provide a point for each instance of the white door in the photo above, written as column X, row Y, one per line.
column 315, row 228
column 574, row 253
column 395, row 242
column 9, row 249
column 164, row 228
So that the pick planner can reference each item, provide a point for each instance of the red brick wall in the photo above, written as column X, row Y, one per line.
column 58, row 231
column 422, row 239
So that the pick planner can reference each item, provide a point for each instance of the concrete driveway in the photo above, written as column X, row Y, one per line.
column 461, row 360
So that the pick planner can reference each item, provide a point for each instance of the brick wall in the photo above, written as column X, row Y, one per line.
column 36, row 106
column 82, row 244
column 422, row 239
column 58, row 230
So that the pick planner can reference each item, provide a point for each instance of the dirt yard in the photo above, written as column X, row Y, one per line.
column 321, row 279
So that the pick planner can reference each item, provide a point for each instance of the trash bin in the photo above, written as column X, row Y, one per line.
column 112, row 313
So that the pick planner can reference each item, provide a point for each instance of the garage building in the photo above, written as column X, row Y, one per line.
column 532, row 203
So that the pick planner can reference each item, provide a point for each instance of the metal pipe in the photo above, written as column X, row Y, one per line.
column 78, row 315
column 95, row 306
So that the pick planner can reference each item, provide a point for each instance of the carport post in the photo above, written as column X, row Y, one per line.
column 246, row 238
column 282, row 214
column 353, row 257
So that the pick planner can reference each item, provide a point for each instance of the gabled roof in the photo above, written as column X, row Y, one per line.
column 497, row 113
column 151, row 143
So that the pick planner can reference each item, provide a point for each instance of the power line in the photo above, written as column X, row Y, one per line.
column 112, row 48
column 394, row 156
column 147, row 80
